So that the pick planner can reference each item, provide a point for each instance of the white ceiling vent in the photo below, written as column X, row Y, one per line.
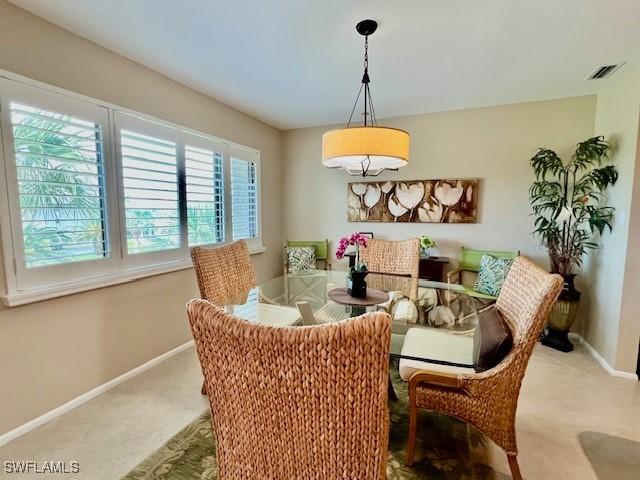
column 605, row 71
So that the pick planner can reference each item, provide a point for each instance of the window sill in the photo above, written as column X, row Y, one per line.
column 23, row 297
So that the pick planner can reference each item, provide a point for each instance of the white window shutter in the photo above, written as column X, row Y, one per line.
column 150, row 158
column 57, row 189
column 150, row 180
column 244, row 198
column 205, row 195
column 59, row 163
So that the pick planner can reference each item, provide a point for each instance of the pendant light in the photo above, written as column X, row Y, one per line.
column 369, row 149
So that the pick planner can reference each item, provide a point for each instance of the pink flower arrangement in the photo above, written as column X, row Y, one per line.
column 356, row 239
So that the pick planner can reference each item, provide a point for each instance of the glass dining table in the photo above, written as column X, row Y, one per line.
column 432, row 322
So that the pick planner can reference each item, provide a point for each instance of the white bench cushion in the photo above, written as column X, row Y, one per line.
column 436, row 344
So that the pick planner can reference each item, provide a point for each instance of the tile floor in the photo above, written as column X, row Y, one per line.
column 574, row 422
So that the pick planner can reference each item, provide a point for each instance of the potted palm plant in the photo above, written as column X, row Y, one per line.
column 567, row 200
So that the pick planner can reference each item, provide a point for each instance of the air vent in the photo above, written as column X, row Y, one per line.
column 604, row 71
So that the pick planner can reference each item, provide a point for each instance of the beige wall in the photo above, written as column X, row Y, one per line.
column 53, row 351
column 613, row 328
column 493, row 144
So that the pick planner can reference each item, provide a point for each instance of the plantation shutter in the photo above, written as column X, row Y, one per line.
column 59, row 163
column 205, row 195
column 244, row 198
column 150, row 179
column 150, row 157
column 59, row 194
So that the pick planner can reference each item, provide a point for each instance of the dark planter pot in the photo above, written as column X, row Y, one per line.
column 357, row 286
column 562, row 316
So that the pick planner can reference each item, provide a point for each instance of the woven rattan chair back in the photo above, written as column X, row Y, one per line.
column 526, row 298
column 394, row 257
column 295, row 402
column 225, row 274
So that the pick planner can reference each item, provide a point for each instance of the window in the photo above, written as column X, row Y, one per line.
column 56, row 224
column 59, row 164
column 205, row 196
column 244, row 197
column 150, row 181
column 95, row 195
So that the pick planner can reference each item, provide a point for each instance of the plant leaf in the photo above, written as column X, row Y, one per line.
column 546, row 161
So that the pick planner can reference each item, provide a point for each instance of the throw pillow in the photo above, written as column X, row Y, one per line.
column 492, row 340
column 491, row 275
column 301, row 259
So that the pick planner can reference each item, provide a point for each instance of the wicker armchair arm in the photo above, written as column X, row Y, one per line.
column 437, row 379
column 455, row 276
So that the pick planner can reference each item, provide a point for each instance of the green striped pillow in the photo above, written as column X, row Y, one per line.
column 491, row 275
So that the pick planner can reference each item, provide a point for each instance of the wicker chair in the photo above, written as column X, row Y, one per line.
column 488, row 400
column 394, row 257
column 295, row 402
column 225, row 274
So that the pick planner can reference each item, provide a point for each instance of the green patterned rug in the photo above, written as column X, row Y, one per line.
column 447, row 449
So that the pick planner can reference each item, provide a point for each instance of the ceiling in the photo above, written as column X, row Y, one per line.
column 297, row 63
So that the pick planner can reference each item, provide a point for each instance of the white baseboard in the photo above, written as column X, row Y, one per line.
column 85, row 397
column 594, row 353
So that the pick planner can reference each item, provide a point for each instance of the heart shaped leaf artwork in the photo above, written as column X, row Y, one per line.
column 423, row 201
column 410, row 196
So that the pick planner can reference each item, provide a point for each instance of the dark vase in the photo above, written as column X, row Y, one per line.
column 562, row 316
column 357, row 286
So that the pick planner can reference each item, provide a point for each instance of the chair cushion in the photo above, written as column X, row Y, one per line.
column 408, row 367
column 433, row 343
column 492, row 340
column 493, row 271
column 472, row 293
column 301, row 259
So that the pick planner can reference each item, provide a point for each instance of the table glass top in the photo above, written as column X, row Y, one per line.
column 433, row 322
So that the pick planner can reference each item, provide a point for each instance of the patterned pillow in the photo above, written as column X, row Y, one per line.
column 301, row 259
column 491, row 275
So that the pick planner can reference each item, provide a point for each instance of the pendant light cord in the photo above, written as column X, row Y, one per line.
column 368, row 101
column 355, row 105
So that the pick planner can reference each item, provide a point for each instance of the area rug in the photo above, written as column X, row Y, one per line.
column 447, row 449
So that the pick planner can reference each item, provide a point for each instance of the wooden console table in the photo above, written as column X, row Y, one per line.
column 431, row 268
